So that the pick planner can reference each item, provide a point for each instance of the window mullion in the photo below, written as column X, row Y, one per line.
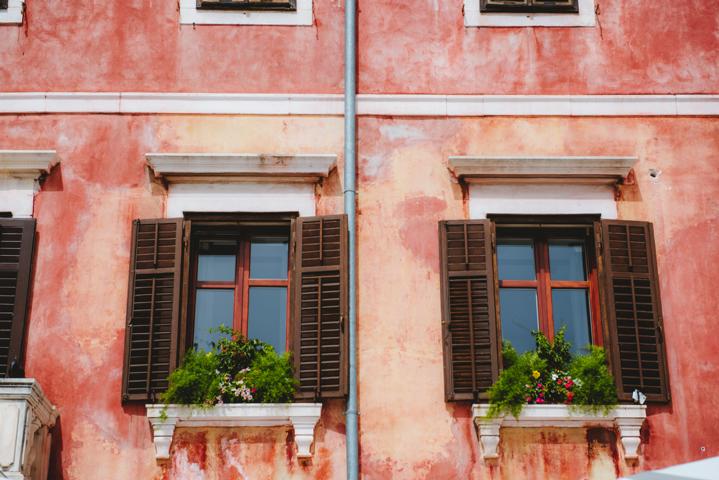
column 243, row 288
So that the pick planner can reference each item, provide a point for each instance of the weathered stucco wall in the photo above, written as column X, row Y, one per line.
column 405, row 46
column 77, row 318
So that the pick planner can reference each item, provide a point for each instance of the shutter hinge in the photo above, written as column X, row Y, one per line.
column 660, row 334
column 342, row 323
column 494, row 240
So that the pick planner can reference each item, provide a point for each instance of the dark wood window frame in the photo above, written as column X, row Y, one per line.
column 242, row 282
column 541, row 234
column 529, row 6
column 288, row 5
column 242, row 227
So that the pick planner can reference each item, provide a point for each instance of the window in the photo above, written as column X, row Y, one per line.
column 240, row 279
column 504, row 277
column 248, row 4
column 531, row 6
column 3, row 4
column 547, row 279
column 190, row 274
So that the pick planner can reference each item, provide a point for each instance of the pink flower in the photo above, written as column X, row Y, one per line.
column 540, row 400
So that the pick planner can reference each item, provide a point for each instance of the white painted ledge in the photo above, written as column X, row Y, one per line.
column 627, row 419
column 26, row 421
column 206, row 167
column 191, row 15
column 367, row 104
column 474, row 18
column 479, row 169
column 301, row 416
column 20, row 171
column 13, row 15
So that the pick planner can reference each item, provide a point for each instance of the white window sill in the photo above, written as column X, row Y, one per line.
column 13, row 14
column 190, row 14
column 628, row 420
column 474, row 18
column 301, row 416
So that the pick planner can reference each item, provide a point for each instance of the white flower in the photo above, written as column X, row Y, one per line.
column 578, row 382
column 554, row 376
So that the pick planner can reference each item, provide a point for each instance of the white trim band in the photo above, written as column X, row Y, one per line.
column 474, row 18
column 191, row 15
column 13, row 15
column 368, row 104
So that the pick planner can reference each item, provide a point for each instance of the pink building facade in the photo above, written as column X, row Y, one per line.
column 463, row 114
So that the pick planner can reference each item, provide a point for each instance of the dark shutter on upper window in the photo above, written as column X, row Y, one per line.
column 17, row 238
column 247, row 4
column 151, row 336
column 3, row 4
column 469, row 329
column 634, row 313
column 320, row 284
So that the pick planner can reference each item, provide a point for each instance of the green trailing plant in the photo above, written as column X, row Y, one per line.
column 235, row 370
column 551, row 374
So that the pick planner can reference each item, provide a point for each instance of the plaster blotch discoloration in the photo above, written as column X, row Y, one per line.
column 418, row 217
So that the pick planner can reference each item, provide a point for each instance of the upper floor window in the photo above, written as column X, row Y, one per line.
column 530, row 6
column 248, row 4
column 3, row 4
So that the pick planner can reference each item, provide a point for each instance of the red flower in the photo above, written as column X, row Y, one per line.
column 570, row 396
column 540, row 400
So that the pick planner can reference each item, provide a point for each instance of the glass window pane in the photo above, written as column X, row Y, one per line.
column 268, row 258
column 570, row 307
column 267, row 317
column 518, row 307
column 216, row 268
column 213, row 307
column 566, row 260
column 515, row 259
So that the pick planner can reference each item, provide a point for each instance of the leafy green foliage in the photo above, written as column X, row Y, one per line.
column 551, row 375
column 596, row 392
column 235, row 370
column 195, row 381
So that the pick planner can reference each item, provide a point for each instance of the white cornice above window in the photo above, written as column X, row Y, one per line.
column 20, row 171
column 208, row 182
column 208, row 167
column 601, row 170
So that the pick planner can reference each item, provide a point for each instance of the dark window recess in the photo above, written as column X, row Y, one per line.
column 469, row 331
column 17, row 237
column 190, row 275
column 5, row 214
column 247, row 4
column 530, row 6
column 599, row 278
column 3, row 4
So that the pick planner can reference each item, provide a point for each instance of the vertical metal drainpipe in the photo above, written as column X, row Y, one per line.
column 350, row 165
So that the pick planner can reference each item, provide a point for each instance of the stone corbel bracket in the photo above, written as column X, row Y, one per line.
column 301, row 416
column 627, row 419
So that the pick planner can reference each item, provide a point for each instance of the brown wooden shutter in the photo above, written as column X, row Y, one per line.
column 469, row 327
column 320, row 289
column 151, row 338
column 17, row 238
column 633, row 309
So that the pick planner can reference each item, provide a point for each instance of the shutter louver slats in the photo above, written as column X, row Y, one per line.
column 468, row 313
column 17, row 238
column 320, row 306
column 153, row 308
column 634, row 309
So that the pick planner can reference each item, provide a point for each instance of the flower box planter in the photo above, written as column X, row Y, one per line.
column 302, row 416
column 627, row 419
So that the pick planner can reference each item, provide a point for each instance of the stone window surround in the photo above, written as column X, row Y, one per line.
column 13, row 15
column 20, row 172
column 191, row 15
column 474, row 18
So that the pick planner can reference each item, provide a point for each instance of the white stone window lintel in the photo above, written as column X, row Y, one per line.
column 13, row 14
column 627, row 419
column 20, row 172
column 303, row 418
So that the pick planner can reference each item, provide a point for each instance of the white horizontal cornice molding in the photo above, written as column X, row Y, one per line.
column 27, row 163
column 368, row 104
column 204, row 167
column 588, row 169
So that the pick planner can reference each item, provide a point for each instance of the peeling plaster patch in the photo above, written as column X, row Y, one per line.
column 371, row 166
column 402, row 132
column 228, row 446
column 184, row 468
